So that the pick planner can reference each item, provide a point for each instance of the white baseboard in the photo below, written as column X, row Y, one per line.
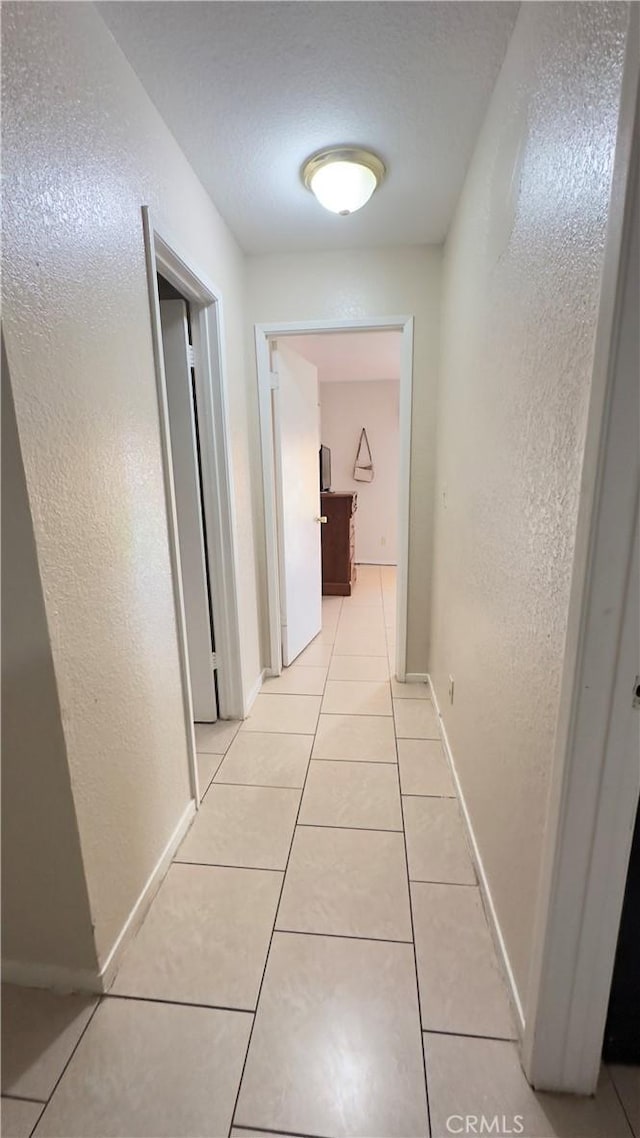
column 482, row 876
column 416, row 678
column 141, row 907
column 29, row 974
column 34, row 975
column 250, row 699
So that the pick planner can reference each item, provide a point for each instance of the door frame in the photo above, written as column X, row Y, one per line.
column 183, row 424
column 163, row 255
column 279, row 330
column 594, row 790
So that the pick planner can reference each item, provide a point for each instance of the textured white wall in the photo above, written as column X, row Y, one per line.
column 84, row 148
column 45, row 910
column 521, row 293
column 345, row 408
column 357, row 284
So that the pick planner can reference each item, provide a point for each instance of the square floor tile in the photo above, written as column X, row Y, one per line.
column 360, row 642
column 366, row 738
column 336, row 1043
column 363, row 795
column 215, row 738
column 18, row 1117
column 461, row 986
column 329, row 629
column 292, row 714
column 363, row 595
column 331, row 612
column 328, row 633
column 371, row 668
column 484, row 1077
column 244, row 826
column 207, row 767
column 264, row 758
column 362, row 617
column 316, row 654
column 331, row 604
column 39, row 1032
column 415, row 719
column 366, row 593
column 145, row 1069
column 424, row 769
column 296, row 681
column 436, row 845
column 627, row 1083
column 343, row 697
column 205, row 939
column 347, row 883
column 409, row 691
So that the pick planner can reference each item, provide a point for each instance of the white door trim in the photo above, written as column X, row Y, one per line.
column 164, row 256
column 594, row 792
column 263, row 333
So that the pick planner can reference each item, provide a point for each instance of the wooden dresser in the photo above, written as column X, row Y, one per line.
column 338, row 543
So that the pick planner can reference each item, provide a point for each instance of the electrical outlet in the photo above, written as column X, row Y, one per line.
column 451, row 688
column 383, row 541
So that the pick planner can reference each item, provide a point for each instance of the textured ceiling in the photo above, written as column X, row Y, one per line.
column 351, row 356
column 251, row 89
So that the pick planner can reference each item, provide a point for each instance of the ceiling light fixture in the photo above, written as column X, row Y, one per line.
column 344, row 178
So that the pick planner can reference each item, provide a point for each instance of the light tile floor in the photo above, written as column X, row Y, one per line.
column 317, row 961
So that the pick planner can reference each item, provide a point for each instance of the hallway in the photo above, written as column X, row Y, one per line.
column 292, row 977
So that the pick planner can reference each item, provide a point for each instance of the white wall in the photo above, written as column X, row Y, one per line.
column 359, row 284
column 345, row 408
column 522, row 279
column 45, row 912
column 84, row 148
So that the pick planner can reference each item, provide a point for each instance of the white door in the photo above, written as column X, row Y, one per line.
column 186, row 475
column 296, row 418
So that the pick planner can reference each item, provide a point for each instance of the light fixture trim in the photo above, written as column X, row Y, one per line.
column 354, row 155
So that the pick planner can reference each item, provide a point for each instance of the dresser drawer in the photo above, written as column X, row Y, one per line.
column 338, row 542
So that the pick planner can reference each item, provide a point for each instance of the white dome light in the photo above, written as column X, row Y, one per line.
column 343, row 179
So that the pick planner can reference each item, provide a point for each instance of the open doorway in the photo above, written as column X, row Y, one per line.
column 192, row 403
column 186, row 462
column 335, row 404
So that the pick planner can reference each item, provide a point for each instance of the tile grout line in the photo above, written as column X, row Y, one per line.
column 344, row 936
column 255, row 785
column 369, row 762
column 63, row 1072
column 223, row 865
column 450, row 884
column 24, row 1098
column 469, row 1035
column 277, row 909
column 177, row 1003
column 413, row 930
column 285, row 1133
column 354, row 829
column 428, row 795
column 620, row 1099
